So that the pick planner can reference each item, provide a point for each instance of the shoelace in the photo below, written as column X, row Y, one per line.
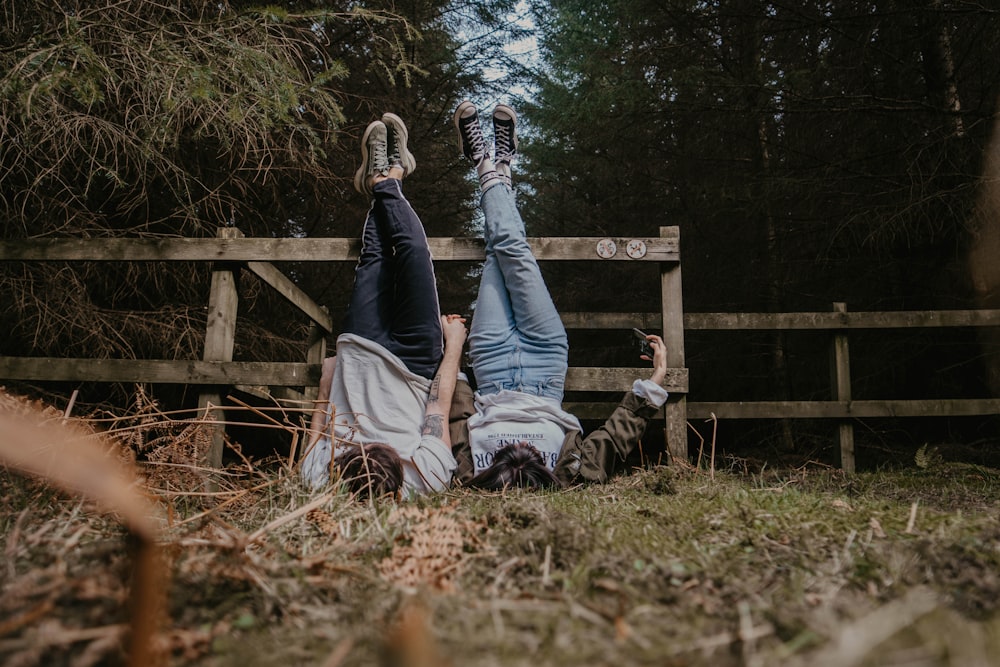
column 380, row 160
column 503, row 141
column 474, row 135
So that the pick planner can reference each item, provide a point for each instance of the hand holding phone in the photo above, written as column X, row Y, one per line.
column 657, row 355
column 644, row 348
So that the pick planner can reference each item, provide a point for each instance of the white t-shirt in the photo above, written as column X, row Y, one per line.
column 507, row 417
column 375, row 398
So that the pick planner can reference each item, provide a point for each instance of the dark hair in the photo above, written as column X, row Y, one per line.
column 518, row 464
column 371, row 470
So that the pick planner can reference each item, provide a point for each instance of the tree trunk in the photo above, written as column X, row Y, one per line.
column 984, row 266
column 753, row 69
column 939, row 65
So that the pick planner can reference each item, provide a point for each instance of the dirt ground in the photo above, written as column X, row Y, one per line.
column 665, row 566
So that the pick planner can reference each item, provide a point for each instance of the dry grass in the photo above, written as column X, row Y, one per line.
column 665, row 566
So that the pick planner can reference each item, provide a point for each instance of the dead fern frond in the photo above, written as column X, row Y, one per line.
column 430, row 547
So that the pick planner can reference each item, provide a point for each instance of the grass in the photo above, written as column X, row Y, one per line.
column 665, row 566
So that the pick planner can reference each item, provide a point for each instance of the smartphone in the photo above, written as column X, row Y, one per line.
column 644, row 347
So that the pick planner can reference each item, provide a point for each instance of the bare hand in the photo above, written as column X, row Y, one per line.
column 454, row 330
column 659, row 358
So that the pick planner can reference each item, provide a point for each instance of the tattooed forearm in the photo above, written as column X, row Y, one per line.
column 433, row 426
column 435, row 392
column 440, row 395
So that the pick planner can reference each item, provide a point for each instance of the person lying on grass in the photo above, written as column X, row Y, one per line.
column 515, row 432
column 384, row 398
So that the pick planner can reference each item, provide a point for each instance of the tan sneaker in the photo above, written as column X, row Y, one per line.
column 374, row 156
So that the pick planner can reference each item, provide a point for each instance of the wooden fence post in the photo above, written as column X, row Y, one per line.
column 220, row 338
column 840, row 387
column 672, row 308
column 316, row 352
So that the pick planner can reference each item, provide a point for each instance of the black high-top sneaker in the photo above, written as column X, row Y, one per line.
column 470, row 138
column 504, row 140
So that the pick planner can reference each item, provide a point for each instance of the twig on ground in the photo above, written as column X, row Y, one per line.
column 291, row 516
column 701, row 445
column 715, row 427
column 27, row 618
column 913, row 518
column 15, row 534
column 72, row 402
column 746, row 633
column 61, row 636
column 856, row 640
column 340, row 653
column 545, row 565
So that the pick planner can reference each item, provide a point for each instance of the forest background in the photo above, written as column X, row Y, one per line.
column 809, row 151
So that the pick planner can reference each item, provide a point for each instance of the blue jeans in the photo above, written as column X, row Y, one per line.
column 516, row 340
column 395, row 301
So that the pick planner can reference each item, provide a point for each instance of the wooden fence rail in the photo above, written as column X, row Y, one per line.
column 230, row 246
column 830, row 321
column 231, row 252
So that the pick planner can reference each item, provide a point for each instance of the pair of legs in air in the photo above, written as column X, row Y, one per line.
column 517, row 340
column 394, row 303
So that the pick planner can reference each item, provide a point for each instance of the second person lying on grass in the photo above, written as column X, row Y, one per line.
column 516, row 432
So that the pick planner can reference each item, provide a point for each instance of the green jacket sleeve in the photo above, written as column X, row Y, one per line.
column 605, row 451
column 463, row 406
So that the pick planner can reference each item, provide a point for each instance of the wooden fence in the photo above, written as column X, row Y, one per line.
column 841, row 407
column 231, row 252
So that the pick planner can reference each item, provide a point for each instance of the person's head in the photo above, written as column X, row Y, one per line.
column 519, row 464
column 371, row 470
